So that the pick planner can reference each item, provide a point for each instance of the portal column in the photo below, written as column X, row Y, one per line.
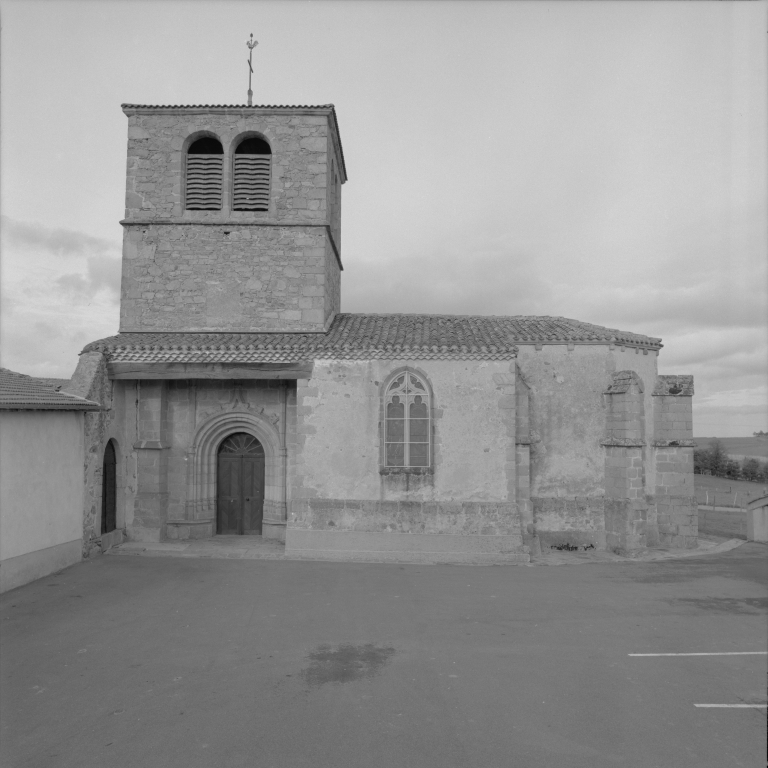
column 275, row 517
column 151, row 501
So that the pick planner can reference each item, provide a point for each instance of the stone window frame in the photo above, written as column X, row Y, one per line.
column 383, row 390
column 229, row 171
column 188, row 142
column 98, row 487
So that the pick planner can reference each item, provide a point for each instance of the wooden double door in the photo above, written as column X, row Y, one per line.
column 240, row 486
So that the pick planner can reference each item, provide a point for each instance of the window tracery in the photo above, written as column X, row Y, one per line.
column 407, row 433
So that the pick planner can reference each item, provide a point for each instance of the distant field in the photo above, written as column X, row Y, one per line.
column 738, row 446
column 720, row 491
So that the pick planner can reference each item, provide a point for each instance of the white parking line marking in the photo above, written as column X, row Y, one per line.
column 734, row 706
column 713, row 653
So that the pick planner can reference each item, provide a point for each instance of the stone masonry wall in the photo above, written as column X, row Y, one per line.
column 219, row 278
column 157, row 439
column 676, row 506
column 567, row 427
column 225, row 270
column 301, row 144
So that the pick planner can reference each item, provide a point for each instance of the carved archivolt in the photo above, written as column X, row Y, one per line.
column 202, row 463
column 238, row 402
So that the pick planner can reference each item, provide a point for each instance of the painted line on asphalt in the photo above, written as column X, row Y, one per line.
column 713, row 653
column 733, row 706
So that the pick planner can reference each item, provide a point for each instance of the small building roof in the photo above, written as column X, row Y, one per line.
column 27, row 393
column 366, row 337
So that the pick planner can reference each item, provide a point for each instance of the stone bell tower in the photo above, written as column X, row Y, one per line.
column 232, row 219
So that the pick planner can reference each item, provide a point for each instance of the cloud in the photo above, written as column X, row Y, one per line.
column 29, row 236
column 718, row 302
column 61, row 289
column 497, row 277
column 102, row 272
column 731, row 413
column 712, row 319
column 96, row 260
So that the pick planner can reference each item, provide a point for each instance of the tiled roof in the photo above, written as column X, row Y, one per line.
column 367, row 337
column 227, row 106
column 20, row 392
column 56, row 384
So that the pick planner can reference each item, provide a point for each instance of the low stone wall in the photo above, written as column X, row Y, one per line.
column 405, row 531
column 723, row 521
column 440, row 517
column 574, row 522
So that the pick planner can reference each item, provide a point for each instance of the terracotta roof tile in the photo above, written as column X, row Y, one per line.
column 227, row 106
column 20, row 392
column 56, row 384
column 367, row 337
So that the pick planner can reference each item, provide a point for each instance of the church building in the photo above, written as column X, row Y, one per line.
column 237, row 398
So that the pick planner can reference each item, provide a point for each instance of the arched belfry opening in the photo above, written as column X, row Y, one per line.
column 205, row 164
column 240, row 485
column 252, row 175
column 109, row 490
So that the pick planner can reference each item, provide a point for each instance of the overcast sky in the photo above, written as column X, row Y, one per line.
column 594, row 160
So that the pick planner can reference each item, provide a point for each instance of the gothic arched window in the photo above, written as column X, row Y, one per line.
column 251, row 176
column 205, row 163
column 407, row 429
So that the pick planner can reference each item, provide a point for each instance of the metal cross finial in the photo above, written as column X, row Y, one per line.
column 251, row 45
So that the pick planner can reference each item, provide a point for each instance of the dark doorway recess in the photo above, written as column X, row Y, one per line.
column 109, row 490
column 240, row 486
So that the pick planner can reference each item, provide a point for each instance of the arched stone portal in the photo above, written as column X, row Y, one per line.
column 202, row 460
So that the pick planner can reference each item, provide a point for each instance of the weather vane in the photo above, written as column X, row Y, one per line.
column 251, row 45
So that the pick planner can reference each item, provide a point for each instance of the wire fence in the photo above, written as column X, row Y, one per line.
column 728, row 496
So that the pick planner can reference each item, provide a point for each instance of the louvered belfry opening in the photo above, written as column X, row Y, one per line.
column 205, row 163
column 253, row 165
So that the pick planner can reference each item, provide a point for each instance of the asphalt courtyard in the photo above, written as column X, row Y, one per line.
column 162, row 661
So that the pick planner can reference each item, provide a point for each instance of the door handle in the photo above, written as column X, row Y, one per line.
column 247, row 498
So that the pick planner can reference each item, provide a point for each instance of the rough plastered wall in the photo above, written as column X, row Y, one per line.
column 336, row 479
column 221, row 278
column 228, row 270
column 568, row 423
column 40, row 512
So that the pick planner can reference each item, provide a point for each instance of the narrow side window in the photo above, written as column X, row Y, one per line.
column 109, row 490
column 205, row 163
column 252, row 175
